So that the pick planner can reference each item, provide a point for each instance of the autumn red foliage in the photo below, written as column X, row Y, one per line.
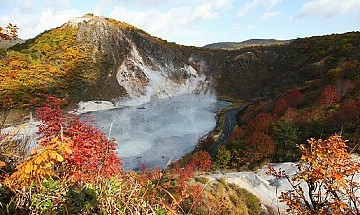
column 201, row 161
column 261, row 123
column 346, row 118
column 180, row 186
column 237, row 134
column 259, row 145
column 329, row 96
column 258, row 142
column 280, row 107
column 93, row 154
column 292, row 99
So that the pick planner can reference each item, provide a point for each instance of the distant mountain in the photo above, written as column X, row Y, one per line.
column 247, row 43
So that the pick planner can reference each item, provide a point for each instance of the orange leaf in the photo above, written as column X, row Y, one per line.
column 2, row 163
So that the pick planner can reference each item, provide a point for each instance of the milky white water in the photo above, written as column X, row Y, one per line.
column 155, row 132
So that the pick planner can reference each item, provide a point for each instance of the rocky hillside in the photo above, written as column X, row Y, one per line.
column 135, row 60
column 95, row 58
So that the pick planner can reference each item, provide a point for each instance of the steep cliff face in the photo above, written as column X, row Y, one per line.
column 131, row 63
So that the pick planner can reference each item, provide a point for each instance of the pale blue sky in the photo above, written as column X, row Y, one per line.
column 194, row 22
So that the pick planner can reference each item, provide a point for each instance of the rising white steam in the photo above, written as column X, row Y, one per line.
column 152, row 133
column 143, row 83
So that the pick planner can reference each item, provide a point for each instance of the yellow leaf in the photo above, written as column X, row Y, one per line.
column 54, row 140
column 38, row 160
column 53, row 155
column 67, row 150
column 47, row 165
column 59, row 158
column 2, row 163
column 28, row 168
column 42, row 173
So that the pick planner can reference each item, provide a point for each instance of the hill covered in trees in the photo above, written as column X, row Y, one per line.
column 246, row 43
column 306, row 88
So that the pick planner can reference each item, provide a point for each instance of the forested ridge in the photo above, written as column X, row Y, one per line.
column 307, row 88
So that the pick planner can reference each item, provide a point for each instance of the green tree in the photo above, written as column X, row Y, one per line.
column 286, row 135
column 222, row 158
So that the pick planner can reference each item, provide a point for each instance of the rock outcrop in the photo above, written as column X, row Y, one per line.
column 132, row 63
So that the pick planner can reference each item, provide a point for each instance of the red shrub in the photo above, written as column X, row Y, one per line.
column 261, row 123
column 347, row 117
column 280, row 107
column 237, row 134
column 329, row 96
column 93, row 154
column 259, row 145
column 201, row 161
column 292, row 99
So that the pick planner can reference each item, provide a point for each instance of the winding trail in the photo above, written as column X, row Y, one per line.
column 229, row 125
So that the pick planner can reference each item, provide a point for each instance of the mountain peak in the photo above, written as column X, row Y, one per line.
column 131, row 62
column 92, row 19
column 89, row 17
